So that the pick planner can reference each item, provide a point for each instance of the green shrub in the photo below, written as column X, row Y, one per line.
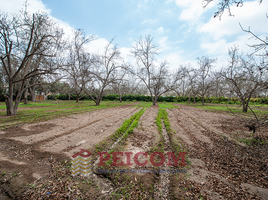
column 2, row 98
column 134, row 98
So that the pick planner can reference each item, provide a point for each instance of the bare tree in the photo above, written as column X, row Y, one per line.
column 218, row 86
column 192, row 76
column 162, row 81
column 245, row 76
column 77, row 59
column 182, row 84
column 157, row 79
column 22, row 39
column 133, row 85
column 204, row 75
column 119, row 83
column 102, row 72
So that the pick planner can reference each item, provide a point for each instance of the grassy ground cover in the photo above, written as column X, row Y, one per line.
column 259, row 110
column 168, row 105
column 143, row 104
column 46, row 110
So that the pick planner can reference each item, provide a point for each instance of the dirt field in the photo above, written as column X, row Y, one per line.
column 219, row 165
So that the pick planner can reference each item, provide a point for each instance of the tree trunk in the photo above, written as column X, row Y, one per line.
column 25, row 96
column 9, row 100
column 155, row 100
column 77, row 98
column 97, row 102
column 99, row 98
column 247, row 102
column 245, row 106
column 120, row 95
column 189, row 98
column 69, row 97
column 9, row 106
column 194, row 99
column 33, row 94
column 203, row 100
column 17, row 102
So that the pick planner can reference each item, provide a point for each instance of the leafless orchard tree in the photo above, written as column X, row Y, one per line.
column 119, row 85
column 245, row 76
column 182, row 84
column 34, row 80
column 23, row 39
column 102, row 72
column 38, row 79
column 218, row 86
column 134, row 85
column 162, row 81
column 192, row 76
column 77, row 60
column 204, row 80
column 157, row 79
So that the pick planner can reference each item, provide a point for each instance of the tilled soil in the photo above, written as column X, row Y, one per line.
column 220, row 167
column 29, row 149
column 145, row 136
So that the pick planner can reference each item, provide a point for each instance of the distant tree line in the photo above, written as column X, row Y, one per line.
column 136, row 97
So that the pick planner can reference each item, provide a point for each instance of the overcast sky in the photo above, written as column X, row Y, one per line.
column 182, row 28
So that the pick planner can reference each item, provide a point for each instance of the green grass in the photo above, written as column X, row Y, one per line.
column 47, row 110
column 230, row 109
column 252, row 141
column 128, row 125
column 168, row 105
column 143, row 104
column 126, row 129
column 159, row 146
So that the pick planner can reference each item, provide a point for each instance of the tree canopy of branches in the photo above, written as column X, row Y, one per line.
column 224, row 5
column 245, row 76
column 205, row 81
column 182, row 86
column 102, row 72
column 119, row 84
column 262, row 45
column 77, row 60
column 156, row 78
column 24, row 39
